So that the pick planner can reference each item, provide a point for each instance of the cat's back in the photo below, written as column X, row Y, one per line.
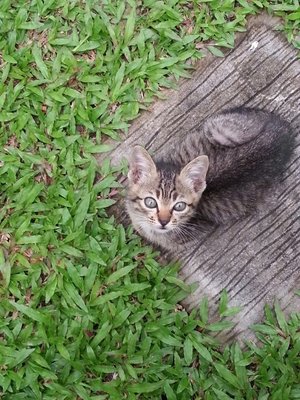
column 248, row 150
column 246, row 144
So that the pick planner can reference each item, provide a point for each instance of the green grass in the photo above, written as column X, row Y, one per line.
column 86, row 311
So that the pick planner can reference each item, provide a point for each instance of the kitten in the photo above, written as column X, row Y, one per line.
column 218, row 173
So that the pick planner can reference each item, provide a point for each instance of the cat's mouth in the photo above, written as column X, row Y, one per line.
column 163, row 229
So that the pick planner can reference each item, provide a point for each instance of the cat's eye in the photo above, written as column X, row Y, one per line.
column 150, row 202
column 180, row 206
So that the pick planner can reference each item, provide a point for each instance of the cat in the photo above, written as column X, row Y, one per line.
column 219, row 173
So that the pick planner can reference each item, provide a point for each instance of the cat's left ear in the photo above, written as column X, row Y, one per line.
column 193, row 175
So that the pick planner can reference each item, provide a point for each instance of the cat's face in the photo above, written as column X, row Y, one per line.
column 162, row 200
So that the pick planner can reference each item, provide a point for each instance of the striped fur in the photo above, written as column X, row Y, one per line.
column 247, row 151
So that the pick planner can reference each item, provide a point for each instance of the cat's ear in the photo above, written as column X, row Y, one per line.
column 141, row 166
column 193, row 175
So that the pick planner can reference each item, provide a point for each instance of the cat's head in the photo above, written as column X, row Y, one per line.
column 161, row 199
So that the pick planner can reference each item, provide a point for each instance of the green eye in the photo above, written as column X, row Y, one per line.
column 180, row 206
column 150, row 202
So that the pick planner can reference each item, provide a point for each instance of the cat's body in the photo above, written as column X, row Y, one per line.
column 219, row 173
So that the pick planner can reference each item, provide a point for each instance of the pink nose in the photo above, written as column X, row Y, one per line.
column 164, row 221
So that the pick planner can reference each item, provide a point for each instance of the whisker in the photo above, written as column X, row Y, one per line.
column 184, row 233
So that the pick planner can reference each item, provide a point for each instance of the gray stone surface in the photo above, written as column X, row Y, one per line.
column 258, row 258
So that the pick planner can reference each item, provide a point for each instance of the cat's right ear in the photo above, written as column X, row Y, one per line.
column 141, row 166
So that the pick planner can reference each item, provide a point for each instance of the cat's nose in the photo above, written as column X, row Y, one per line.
column 164, row 221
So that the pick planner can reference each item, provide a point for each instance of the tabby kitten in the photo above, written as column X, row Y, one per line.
column 218, row 174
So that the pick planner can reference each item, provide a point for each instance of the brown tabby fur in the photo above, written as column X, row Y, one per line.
column 220, row 172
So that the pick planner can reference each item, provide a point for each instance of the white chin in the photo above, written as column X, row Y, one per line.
column 156, row 231
column 163, row 230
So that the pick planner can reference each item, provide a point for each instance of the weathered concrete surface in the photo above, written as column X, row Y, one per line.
column 258, row 258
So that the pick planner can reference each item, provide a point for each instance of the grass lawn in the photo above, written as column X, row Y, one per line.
column 86, row 311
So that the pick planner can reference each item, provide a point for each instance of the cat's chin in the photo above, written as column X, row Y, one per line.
column 163, row 231
column 157, row 235
column 157, row 230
